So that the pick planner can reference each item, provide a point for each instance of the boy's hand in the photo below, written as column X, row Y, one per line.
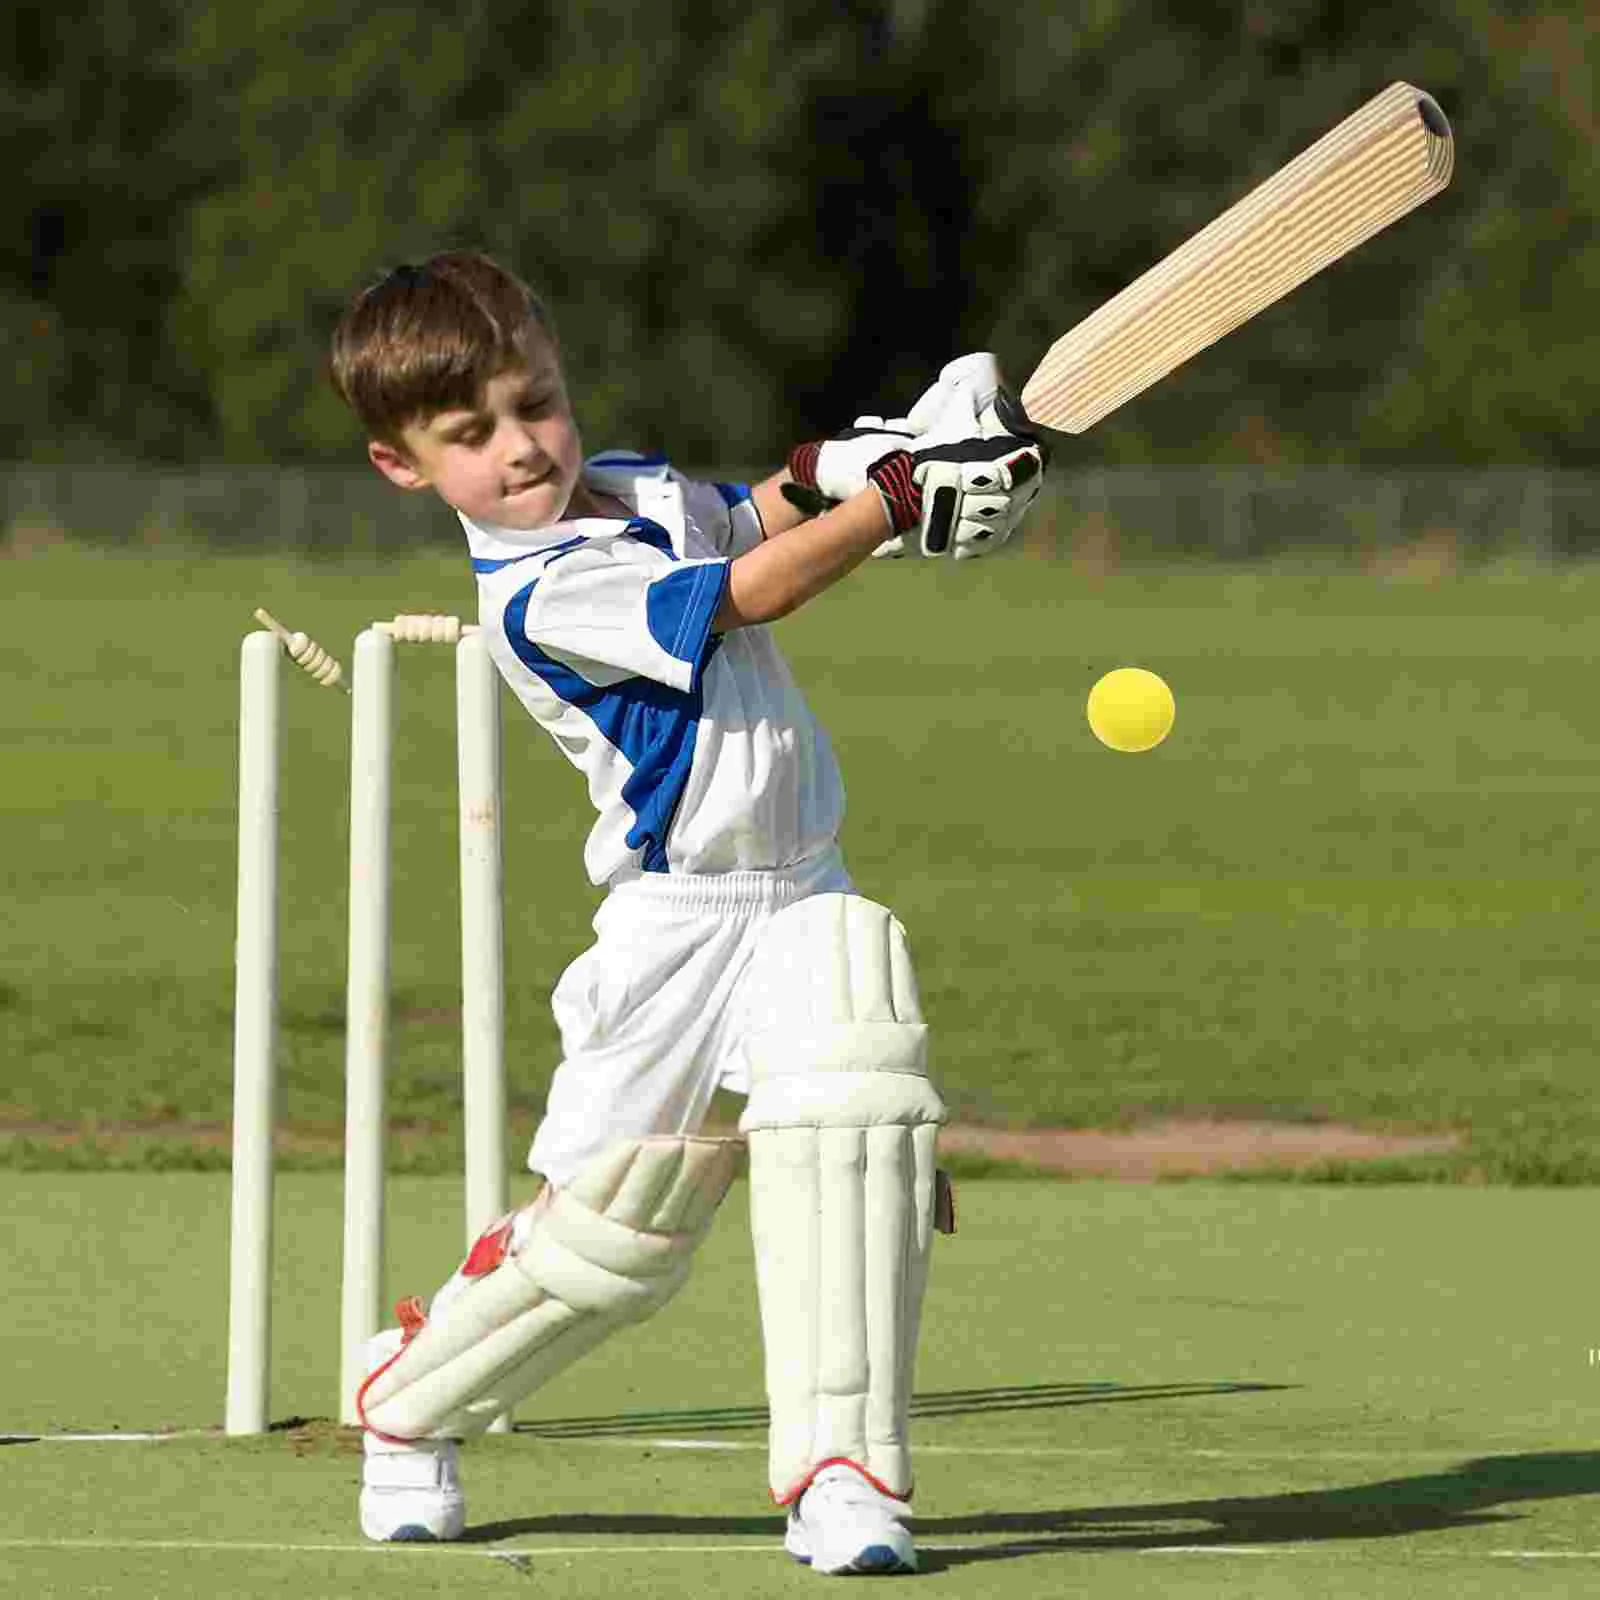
column 831, row 470
column 976, row 489
column 977, row 478
column 827, row 471
column 972, row 481
column 989, row 483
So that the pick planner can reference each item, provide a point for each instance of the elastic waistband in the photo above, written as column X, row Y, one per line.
column 769, row 889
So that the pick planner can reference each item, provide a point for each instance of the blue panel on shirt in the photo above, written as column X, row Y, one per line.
column 733, row 494
column 654, row 726
column 486, row 564
column 652, row 534
column 679, row 607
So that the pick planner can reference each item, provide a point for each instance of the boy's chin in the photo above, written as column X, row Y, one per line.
column 523, row 513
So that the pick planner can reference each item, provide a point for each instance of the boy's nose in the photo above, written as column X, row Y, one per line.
column 523, row 450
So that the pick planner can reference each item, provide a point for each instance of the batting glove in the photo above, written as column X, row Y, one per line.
column 977, row 476
column 896, row 482
column 976, row 490
column 826, row 471
column 831, row 470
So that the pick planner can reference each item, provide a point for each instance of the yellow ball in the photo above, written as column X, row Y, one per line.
column 1131, row 709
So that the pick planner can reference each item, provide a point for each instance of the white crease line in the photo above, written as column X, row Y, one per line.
column 1221, row 1550
column 769, row 1547
column 88, row 1439
column 259, row 1547
column 91, row 1438
column 1546, row 1555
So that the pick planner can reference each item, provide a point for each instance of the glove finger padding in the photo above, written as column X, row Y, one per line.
column 988, row 522
column 894, row 478
column 1000, row 475
column 965, row 387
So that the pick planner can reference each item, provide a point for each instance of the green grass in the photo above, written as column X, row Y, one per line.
column 1374, row 1392
column 1357, row 883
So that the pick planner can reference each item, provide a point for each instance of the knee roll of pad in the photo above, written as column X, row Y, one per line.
column 842, row 1122
column 549, row 1284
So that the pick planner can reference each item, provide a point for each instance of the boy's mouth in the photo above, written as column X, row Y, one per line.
column 530, row 483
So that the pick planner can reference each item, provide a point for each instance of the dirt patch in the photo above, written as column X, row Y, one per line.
column 1184, row 1146
column 1174, row 1147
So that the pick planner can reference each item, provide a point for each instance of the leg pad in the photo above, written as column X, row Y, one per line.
column 611, row 1248
column 842, row 1121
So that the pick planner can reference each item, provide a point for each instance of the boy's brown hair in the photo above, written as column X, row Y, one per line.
column 428, row 338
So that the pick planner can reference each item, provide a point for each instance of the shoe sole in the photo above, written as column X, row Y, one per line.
column 875, row 1561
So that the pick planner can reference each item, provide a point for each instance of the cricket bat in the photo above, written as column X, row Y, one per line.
column 1379, row 163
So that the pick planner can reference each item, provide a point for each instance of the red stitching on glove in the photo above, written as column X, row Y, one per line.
column 892, row 477
column 803, row 462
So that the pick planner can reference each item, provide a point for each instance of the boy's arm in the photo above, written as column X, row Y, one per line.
column 780, row 575
column 778, row 513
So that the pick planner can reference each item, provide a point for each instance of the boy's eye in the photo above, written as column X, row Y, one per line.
column 534, row 404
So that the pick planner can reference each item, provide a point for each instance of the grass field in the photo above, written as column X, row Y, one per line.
column 1125, row 1390
column 1356, row 884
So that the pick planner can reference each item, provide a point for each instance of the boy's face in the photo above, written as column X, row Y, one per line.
column 512, row 461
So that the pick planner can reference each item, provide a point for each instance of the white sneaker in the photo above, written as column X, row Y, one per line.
column 410, row 1493
column 841, row 1524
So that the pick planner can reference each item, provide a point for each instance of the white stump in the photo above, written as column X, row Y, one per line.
column 483, row 1093
column 366, row 1007
column 254, row 1040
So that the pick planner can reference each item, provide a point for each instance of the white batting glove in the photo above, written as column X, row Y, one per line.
column 831, row 470
column 975, row 376
column 962, row 448
column 978, row 478
column 834, row 469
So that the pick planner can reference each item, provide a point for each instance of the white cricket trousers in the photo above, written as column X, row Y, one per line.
column 649, row 1013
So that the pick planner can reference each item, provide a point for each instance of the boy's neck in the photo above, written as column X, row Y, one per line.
column 587, row 502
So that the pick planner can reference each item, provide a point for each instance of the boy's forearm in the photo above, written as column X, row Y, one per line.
column 780, row 575
column 778, row 514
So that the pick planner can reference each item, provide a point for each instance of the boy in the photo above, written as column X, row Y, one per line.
column 625, row 607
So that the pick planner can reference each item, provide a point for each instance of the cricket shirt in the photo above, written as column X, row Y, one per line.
column 698, row 749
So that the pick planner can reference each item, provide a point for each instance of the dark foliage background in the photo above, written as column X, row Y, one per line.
column 755, row 219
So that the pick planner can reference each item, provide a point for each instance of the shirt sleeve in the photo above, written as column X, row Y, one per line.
column 621, row 608
column 726, row 514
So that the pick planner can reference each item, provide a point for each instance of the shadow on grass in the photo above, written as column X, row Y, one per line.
column 950, row 1403
column 1465, row 1496
column 1462, row 1497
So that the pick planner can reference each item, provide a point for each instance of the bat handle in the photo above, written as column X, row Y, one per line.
column 1009, row 410
column 807, row 499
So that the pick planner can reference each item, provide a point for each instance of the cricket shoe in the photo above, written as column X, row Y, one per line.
column 410, row 1492
column 842, row 1524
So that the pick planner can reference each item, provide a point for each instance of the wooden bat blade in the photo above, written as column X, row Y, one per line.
column 1375, row 166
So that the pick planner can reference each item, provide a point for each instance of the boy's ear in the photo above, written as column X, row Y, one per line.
column 395, row 465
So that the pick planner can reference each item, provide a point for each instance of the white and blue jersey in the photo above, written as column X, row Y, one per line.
column 700, row 753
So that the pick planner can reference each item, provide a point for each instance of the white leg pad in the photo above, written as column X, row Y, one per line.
column 610, row 1248
column 842, row 1123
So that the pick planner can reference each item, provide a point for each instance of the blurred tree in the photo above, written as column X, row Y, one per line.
column 89, row 105
column 1464, row 333
column 1507, row 337
column 643, row 166
column 754, row 220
